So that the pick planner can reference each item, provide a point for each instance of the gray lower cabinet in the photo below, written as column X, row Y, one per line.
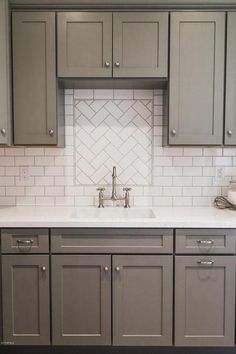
column 196, row 84
column 230, row 98
column 5, row 99
column 34, row 79
column 204, row 301
column 140, row 44
column 81, row 300
column 84, row 44
column 25, row 297
column 142, row 300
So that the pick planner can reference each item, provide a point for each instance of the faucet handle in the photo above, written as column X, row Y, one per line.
column 101, row 189
column 127, row 189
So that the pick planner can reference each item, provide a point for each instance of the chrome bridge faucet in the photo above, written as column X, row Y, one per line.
column 114, row 197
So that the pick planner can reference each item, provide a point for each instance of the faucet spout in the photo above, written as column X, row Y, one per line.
column 114, row 176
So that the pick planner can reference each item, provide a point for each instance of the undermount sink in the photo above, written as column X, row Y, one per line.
column 113, row 213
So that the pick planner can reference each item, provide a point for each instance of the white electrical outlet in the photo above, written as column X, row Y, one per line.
column 219, row 174
column 24, row 173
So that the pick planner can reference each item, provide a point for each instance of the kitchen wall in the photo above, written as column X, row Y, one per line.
column 121, row 127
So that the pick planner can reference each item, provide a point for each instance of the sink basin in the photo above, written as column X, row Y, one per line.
column 113, row 213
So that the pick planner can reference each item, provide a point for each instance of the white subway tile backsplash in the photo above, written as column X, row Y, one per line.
column 7, row 161
column 192, row 171
column 182, row 181
column 44, row 161
column 16, row 191
column 45, row 201
column 170, row 191
column 182, row 161
column 202, row 161
column 114, row 127
column 182, row 201
column 222, row 161
column 7, row 181
column 24, row 160
column 21, row 182
column 34, row 190
column 44, row 181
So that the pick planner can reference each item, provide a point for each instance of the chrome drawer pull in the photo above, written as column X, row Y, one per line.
column 207, row 263
column 205, row 242
column 25, row 242
column 106, row 269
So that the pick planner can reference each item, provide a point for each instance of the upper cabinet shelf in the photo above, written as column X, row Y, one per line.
column 105, row 45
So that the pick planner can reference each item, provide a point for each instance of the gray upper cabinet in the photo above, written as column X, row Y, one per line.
column 230, row 99
column 140, row 44
column 205, row 301
column 5, row 108
column 139, row 48
column 25, row 296
column 142, row 300
column 84, row 44
column 196, row 86
column 81, row 300
column 34, row 78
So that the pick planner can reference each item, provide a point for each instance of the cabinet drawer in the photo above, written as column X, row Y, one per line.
column 203, row 241
column 112, row 240
column 25, row 241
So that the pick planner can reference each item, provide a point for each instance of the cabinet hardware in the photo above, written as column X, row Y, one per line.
column 25, row 242
column 173, row 132
column 229, row 132
column 51, row 132
column 205, row 242
column 3, row 131
column 107, row 64
column 43, row 269
column 117, row 269
column 207, row 263
column 117, row 64
column 106, row 269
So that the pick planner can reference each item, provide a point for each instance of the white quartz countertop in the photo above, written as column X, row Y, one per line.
column 162, row 217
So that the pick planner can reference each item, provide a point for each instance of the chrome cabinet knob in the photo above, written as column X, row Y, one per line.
column 117, row 269
column 229, row 132
column 106, row 269
column 173, row 132
column 43, row 269
column 51, row 132
column 3, row 131
column 117, row 64
column 107, row 64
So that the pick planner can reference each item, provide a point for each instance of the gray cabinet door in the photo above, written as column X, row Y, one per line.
column 25, row 295
column 230, row 98
column 142, row 300
column 5, row 110
column 140, row 44
column 81, row 300
column 196, row 87
column 34, row 78
column 84, row 44
column 204, row 300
